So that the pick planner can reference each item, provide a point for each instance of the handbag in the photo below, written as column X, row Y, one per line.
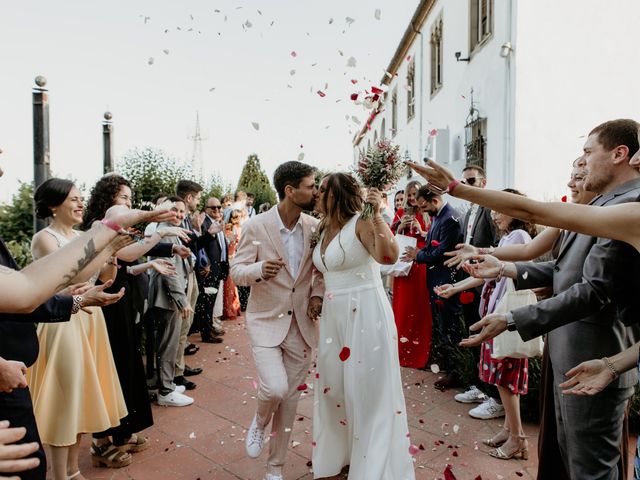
column 510, row 344
column 400, row 269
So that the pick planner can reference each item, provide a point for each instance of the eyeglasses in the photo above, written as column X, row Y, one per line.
column 471, row 180
column 215, row 207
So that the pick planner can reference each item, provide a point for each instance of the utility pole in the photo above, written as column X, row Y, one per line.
column 107, row 143
column 41, row 168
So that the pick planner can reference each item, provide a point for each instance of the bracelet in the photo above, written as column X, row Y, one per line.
column 77, row 304
column 501, row 272
column 610, row 366
column 454, row 183
column 112, row 225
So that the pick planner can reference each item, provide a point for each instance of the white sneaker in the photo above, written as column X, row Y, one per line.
column 489, row 409
column 473, row 395
column 179, row 389
column 271, row 476
column 174, row 399
column 254, row 442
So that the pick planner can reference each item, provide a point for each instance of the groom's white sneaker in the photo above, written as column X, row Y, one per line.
column 255, row 442
column 271, row 476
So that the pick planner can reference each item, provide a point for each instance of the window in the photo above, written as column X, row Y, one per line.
column 383, row 133
column 436, row 56
column 476, row 142
column 394, row 112
column 411, row 91
column 480, row 22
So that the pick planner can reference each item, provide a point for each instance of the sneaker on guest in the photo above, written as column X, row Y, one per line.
column 489, row 409
column 174, row 399
column 473, row 395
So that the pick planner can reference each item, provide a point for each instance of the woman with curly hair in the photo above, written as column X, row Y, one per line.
column 123, row 323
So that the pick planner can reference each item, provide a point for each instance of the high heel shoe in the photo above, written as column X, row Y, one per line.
column 498, row 439
column 519, row 448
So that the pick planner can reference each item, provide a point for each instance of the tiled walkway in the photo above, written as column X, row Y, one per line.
column 206, row 440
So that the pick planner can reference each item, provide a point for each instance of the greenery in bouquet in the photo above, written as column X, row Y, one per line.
column 380, row 167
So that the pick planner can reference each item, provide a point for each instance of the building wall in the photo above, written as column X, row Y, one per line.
column 577, row 65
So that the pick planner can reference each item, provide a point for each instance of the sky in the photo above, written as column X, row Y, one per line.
column 252, row 71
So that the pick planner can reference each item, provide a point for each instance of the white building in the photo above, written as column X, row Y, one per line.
column 543, row 74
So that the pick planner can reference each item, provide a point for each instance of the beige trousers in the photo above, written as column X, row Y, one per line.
column 192, row 295
column 281, row 370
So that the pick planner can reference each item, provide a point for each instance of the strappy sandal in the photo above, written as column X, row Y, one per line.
column 520, row 449
column 70, row 477
column 136, row 443
column 498, row 439
column 109, row 456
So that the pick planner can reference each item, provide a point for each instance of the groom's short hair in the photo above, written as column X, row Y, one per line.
column 290, row 173
column 426, row 193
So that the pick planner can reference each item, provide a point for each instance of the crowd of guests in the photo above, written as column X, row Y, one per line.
column 85, row 361
column 89, row 376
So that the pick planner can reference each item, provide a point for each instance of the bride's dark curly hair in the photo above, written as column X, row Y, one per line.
column 102, row 197
column 516, row 223
column 341, row 201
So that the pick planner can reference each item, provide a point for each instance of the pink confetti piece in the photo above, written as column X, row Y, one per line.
column 345, row 353
column 413, row 450
column 294, row 54
column 321, row 93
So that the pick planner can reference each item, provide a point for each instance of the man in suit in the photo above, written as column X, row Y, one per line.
column 480, row 231
column 274, row 258
column 217, row 250
column 595, row 284
column 171, row 306
column 251, row 211
column 445, row 233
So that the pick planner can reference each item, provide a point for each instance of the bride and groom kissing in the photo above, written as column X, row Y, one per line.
column 325, row 295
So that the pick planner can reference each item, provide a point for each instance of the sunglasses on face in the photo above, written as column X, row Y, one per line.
column 471, row 180
column 215, row 207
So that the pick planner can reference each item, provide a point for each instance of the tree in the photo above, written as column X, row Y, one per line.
column 16, row 217
column 215, row 187
column 253, row 179
column 152, row 171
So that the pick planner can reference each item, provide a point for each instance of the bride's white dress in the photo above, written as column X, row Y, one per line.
column 359, row 416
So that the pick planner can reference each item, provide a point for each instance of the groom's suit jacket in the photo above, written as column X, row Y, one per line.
column 274, row 302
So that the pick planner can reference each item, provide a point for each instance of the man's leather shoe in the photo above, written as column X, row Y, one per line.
column 218, row 332
column 191, row 349
column 187, row 384
column 211, row 339
column 448, row 381
column 190, row 372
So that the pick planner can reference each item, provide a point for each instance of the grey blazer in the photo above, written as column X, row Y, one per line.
column 595, row 284
column 170, row 292
column 484, row 232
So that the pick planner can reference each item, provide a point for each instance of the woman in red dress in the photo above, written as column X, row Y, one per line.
column 411, row 306
column 231, row 301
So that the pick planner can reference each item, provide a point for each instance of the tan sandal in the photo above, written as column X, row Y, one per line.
column 136, row 443
column 498, row 439
column 109, row 456
column 519, row 449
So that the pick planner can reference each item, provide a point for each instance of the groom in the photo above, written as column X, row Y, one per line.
column 274, row 259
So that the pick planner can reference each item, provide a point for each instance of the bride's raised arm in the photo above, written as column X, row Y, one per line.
column 618, row 222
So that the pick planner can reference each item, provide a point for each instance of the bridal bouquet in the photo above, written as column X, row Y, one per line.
column 380, row 167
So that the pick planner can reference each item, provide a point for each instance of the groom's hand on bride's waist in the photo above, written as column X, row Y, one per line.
column 270, row 268
column 315, row 308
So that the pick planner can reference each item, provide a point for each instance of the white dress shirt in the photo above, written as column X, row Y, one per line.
column 473, row 213
column 222, row 240
column 293, row 241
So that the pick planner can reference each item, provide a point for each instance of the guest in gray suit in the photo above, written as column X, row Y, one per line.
column 595, row 284
column 168, row 298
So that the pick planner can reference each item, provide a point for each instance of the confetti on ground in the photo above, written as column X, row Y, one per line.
column 192, row 435
column 435, row 368
column 413, row 450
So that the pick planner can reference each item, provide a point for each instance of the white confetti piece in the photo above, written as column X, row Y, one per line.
column 248, row 24
column 255, row 125
column 287, row 430
column 376, row 348
column 210, row 290
column 377, row 14
column 301, row 156
column 292, row 72
column 329, row 340
column 350, row 20
column 435, row 368
column 456, row 428
column 256, row 242
column 165, row 51
column 192, row 435
column 281, row 315
column 525, row 275
column 351, row 62
column 330, row 21
column 404, row 339
column 212, row 89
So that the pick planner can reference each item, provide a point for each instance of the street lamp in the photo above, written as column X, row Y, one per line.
column 41, row 167
column 107, row 130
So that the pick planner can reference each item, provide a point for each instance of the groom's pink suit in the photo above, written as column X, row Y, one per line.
column 281, row 333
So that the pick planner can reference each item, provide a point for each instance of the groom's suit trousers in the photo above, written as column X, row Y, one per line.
column 281, row 370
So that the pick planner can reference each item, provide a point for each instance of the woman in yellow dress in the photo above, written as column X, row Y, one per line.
column 74, row 383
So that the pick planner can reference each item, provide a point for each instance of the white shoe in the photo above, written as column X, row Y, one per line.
column 179, row 389
column 254, row 442
column 174, row 399
column 489, row 409
column 271, row 476
column 473, row 395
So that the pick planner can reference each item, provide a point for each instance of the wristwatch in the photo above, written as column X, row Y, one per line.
column 511, row 324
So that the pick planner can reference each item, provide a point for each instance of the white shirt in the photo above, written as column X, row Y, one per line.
column 473, row 213
column 293, row 241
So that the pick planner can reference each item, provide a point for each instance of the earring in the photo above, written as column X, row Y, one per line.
column 53, row 214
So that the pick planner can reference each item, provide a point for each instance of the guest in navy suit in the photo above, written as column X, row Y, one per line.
column 445, row 233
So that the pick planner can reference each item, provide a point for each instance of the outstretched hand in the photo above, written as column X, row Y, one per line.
column 588, row 378
column 438, row 177
column 490, row 327
column 126, row 217
column 485, row 266
column 461, row 255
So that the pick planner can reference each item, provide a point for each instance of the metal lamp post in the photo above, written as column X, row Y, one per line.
column 41, row 167
column 107, row 143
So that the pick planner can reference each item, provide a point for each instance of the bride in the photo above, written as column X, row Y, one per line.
column 359, row 416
